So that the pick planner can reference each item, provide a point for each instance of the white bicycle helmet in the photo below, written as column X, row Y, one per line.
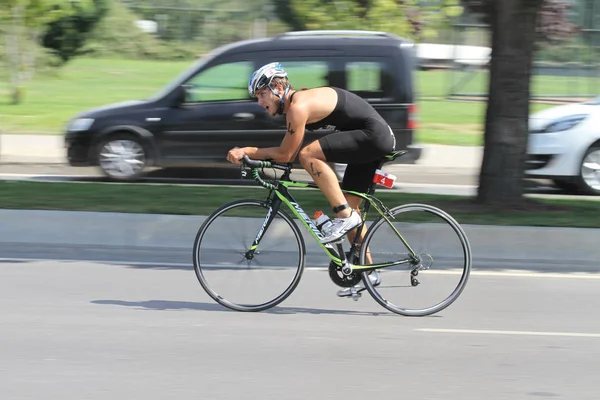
column 263, row 76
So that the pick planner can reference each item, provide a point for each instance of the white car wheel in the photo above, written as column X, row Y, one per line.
column 122, row 158
column 590, row 171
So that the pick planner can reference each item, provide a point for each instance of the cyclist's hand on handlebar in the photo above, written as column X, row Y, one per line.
column 235, row 155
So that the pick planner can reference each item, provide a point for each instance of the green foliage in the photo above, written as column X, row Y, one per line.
column 415, row 19
column 66, row 36
column 576, row 50
column 21, row 22
column 553, row 24
column 559, row 39
column 34, row 13
column 434, row 17
column 383, row 15
column 588, row 12
column 116, row 36
column 212, row 21
column 284, row 11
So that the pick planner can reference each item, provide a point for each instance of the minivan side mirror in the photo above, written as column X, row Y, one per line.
column 180, row 95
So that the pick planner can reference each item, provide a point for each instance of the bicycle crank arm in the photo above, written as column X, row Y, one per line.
column 346, row 266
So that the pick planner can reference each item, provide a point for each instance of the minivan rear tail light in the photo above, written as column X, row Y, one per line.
column 412, row 116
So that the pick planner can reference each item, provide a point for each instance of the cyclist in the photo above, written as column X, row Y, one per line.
column 362, row 138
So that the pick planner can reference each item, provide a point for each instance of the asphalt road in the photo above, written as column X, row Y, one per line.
column 96, row 330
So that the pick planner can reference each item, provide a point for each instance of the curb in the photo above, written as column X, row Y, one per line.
column 566, row 249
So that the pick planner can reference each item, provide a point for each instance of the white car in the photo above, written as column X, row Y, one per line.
column 564, row 146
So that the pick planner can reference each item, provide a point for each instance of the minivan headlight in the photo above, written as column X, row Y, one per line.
column 80, row 124
column 565, row 123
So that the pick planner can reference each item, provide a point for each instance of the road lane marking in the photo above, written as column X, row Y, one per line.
column 503, row 273
column 524, row 274
column 517, row 333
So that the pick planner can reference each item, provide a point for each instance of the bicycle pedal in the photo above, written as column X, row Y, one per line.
column 355, row 294
column 354, row 291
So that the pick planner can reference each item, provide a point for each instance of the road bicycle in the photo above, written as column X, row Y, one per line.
column 270, row 245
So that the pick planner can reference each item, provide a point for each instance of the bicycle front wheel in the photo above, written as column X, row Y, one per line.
column 238, row 273
column 441, row 260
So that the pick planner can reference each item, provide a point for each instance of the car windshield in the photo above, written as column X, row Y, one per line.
column 182, row 77
column 196, row 66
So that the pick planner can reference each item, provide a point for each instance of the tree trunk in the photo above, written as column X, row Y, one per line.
column 21, row 41
column 513, row 24
column 14, row 43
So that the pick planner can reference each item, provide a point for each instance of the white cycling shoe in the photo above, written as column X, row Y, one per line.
column 375, row 279
column 341, row 226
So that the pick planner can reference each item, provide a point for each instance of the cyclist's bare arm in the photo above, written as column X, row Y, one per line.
column 296, row 122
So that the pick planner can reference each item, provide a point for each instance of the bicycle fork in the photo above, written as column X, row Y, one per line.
column 271, row 213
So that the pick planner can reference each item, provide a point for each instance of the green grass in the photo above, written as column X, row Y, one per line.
column 202, row 200
column 52, row 99
column 458, row 123
column 439, row 83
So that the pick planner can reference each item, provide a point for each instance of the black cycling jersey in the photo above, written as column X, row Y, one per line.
column 351, row 112
column 364, row 138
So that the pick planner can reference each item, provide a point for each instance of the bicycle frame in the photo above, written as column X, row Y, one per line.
column 280, row 194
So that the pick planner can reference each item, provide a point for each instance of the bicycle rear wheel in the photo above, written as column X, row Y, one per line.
column 440, row 270
column 236, row 274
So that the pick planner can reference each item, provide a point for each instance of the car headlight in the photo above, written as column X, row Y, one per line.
column 80, row 124
column 565, row 123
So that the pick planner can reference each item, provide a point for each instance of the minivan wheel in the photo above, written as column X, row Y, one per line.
column 589, row 173
column 122, row 157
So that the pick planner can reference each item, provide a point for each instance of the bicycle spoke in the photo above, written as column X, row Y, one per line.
column 440, row 244
column 278, row 259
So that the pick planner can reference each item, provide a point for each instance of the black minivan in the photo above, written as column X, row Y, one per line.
column 204, row 112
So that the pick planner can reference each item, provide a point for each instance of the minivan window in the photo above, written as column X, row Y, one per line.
column 364, row 76
column 309, row 73
column 367, row 78
column 223, row 82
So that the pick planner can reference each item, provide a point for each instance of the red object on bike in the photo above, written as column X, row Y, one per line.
column 384, row 178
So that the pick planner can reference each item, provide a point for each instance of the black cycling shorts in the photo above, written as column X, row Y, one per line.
column 362, row 150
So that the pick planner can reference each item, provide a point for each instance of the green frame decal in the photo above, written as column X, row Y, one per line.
column 279, row 193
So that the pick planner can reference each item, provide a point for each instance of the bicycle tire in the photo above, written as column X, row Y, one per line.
column 466, row 249
column 198, row 267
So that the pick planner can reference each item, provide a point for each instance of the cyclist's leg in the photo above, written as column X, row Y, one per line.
column 349, row 147
column 358, row 178
column 354, row 202
column 313, row 160
column 362, row 150
column 346, row 147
